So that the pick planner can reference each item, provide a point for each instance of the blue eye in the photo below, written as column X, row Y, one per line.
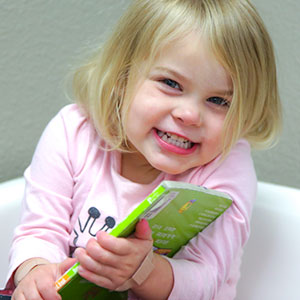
column 171, row 83
column 219, row 101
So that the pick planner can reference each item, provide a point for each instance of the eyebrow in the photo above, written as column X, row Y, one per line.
column 174, row 73
column 187, row 78
column 224, row 92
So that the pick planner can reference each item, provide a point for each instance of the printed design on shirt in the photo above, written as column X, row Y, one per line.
column 89, row 224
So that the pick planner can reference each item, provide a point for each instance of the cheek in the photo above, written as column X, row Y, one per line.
column 145, row 108
column 214, row 127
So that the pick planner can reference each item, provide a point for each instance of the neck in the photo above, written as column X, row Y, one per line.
column 136, row 168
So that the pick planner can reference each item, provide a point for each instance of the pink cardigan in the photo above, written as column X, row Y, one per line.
column 74, row 189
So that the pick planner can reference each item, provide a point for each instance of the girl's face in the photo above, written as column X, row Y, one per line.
column 176, row 117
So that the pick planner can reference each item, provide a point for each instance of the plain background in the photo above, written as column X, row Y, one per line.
column 40, row 41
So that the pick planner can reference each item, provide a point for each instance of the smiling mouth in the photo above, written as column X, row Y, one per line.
column 175, row 140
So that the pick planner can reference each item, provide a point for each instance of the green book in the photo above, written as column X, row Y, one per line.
column 175, row 211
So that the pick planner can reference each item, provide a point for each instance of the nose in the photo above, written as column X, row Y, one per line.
column 189, row 113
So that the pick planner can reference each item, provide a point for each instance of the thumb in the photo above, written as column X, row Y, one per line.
column 143, row 230
column 66, row 264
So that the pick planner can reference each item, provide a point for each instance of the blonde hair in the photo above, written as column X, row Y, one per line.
column 235, row 33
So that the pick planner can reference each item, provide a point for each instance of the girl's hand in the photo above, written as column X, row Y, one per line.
column 110, row 261
column 39, row 283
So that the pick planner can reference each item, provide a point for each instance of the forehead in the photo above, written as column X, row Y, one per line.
column 191, row 58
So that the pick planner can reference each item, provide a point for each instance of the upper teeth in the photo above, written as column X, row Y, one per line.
column 175, row 139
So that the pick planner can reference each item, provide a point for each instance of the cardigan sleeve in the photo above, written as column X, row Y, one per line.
column 47, row 203
column 208, row 267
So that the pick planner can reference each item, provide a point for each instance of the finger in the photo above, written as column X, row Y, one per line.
column 119, row 246
column 94, row 251
column 103, row 265
column 102, row 255
column 18, row 296
column 21, row 297
column 103, row 274
column 65, row 265
column 127, row 246
column 48, row 291
column 86, row 261
column 45, row 284
column 39, row 284
column 27, row 289
column 143, row 230
column 93, row 270
column 98, row 279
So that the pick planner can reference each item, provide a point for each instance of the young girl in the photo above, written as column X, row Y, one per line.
column 179, row 92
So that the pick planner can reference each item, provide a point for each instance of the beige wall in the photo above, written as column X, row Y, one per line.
column 41, row 40
column 282, row 164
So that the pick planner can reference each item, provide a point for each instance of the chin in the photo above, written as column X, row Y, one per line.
column 172, row 170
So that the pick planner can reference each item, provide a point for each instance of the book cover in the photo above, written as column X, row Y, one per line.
column 175, row 211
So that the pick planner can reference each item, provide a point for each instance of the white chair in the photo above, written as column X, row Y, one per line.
column 11, row 193
column 271, row 261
